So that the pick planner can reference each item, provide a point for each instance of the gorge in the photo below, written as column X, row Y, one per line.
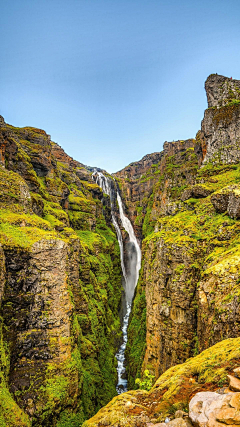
column 73, row 295
column 130, row 272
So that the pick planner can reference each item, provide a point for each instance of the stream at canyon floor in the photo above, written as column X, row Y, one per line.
column 130, row 272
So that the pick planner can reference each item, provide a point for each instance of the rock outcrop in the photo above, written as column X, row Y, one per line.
column 220, row 126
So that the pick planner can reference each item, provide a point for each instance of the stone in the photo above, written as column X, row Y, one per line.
column 237, row 371
column 205, row 406
column 228, row 416
column 234, row 383
column 235, row 401
column 220, row 201
column 218, row 87
column 2, row 122
column 234, row 203
column 181, row 414
column 197, row 191
column 156, row 425
column 180, row 422
column 221, row 122
column 200, row 191
column 187, row 194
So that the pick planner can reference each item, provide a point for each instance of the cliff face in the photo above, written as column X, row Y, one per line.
column 187, row 297
column 141, row 182
column 60, row 285
column 220, row 126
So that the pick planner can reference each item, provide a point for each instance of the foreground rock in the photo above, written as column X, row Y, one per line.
column 174, row 390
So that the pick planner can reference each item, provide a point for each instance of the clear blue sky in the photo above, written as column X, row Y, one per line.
column 111, row 80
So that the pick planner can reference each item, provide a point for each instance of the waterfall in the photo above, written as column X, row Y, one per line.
column 105, row 185
column 130, row 274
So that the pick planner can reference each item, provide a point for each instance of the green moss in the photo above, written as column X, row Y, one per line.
column 71, row 419
column 23, row 220
column 10, row 413
column 225, row 114
column 24, row 237
column 136, row 344
column 75, row 389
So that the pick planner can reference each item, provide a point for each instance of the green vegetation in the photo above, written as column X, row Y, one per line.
column 136, row 344
column 147, row 382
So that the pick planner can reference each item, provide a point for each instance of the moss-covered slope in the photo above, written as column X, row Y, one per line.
column 173, row 390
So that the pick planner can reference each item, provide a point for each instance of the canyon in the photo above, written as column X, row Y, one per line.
column 63, row 269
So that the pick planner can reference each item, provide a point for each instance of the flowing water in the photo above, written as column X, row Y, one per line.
column 130, row 274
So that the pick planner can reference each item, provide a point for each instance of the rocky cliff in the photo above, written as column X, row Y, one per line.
column 188, row 293
column 60, row 289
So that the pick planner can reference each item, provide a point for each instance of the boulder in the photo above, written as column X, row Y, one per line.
column 200, row 191
column 237, row 371
column 229, row 416
column 234, row 203
column 177, row 422
column 180, row 422
column 235, row 401
column 220, row 200
column 181, row 414
column 187, row 194
column 205, row 407
column 234, row 383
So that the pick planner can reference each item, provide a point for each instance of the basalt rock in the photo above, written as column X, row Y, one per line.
column 150, row 185
column 220, row 126
column 189, row 280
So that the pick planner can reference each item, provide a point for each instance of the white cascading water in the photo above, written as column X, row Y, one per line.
column 104, row 183
column 130, row 275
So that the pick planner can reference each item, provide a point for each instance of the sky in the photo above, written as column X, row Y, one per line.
column 111, row 80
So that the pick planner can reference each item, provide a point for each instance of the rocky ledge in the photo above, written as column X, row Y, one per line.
column 204, row 391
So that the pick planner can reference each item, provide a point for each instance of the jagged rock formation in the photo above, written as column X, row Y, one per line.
column 142, row 180
column 220, row 126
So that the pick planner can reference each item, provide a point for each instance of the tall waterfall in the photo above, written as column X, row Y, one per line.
column 130, row 274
